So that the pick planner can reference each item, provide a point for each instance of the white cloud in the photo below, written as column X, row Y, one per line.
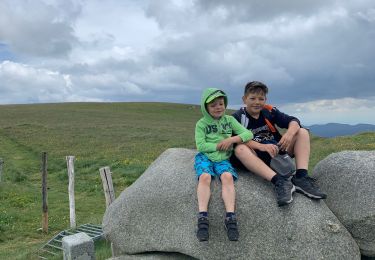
column 123, row 32
column 37, row 28
column 169, row 50
column 345, row 110
column 21, row 83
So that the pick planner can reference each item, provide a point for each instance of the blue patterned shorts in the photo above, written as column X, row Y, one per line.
column 205, row 165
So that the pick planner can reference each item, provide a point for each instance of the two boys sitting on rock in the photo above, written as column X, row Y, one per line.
column 217, row 135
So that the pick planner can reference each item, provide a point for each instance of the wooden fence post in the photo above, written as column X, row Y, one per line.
column 109, row 192
column 1, row 167
column 44, row 194
column 70, row 165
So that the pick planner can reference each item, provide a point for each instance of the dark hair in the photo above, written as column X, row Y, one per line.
column 255, row 87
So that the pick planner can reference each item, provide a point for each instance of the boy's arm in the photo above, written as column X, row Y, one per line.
column 243, row 135
column 291, row 123
column 283, row 120
column 287, row 137
column 200, row 140
column 271, row 149
column 241, row 131
column 255, row 145
column 226, row 144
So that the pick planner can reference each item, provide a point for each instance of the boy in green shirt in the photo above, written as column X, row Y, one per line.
column 214, row 141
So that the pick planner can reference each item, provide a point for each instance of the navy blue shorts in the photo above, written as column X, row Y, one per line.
column 264, row 156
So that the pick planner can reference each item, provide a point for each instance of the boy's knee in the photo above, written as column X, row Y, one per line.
column 205, row 178
column 240, row 150
column 303, row 133
column 226, row 178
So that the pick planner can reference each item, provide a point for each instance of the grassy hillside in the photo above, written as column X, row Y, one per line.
column 125, row 136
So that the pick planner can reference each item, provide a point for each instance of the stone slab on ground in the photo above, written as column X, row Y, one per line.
column 79, row 246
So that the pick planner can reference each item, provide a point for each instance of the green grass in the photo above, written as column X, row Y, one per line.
column 322, row 147
column 127, row 137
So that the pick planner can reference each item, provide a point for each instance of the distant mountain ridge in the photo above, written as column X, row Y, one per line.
column 336, row 129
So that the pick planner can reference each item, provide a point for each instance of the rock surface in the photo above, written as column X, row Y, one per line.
column 158, row 214
column 349, row 179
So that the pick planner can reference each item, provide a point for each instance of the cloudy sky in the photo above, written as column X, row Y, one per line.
column 317, row 57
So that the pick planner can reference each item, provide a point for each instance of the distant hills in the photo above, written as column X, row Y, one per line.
column 335, row 129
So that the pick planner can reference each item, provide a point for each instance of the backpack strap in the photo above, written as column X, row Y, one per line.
column 266, row 111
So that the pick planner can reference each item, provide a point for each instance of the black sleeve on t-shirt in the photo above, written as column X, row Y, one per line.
column 281, row 119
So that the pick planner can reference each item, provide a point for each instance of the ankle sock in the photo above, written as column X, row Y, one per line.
column 275, row 178
column 301, row 173
column 203, row 214
column 230, row 215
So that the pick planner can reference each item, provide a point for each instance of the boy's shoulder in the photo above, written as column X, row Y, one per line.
column 268, row 107
column 201, row 120
column 238, row 112
column 228, row 117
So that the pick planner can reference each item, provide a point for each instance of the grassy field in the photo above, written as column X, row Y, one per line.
column 125, row 136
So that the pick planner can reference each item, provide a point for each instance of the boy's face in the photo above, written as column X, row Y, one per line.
column 254, row 102
column 216, row 108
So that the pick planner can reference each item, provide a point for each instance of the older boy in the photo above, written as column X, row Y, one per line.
column 214, row 141
column 256, row 155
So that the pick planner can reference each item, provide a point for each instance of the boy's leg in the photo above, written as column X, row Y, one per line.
column 204, row 191
column 203, row 194
column 227, row 177
column 283, row 187
column 204, row 169
column 229, row 197
column 228, row 192
column 252, row 162
column 300, row 147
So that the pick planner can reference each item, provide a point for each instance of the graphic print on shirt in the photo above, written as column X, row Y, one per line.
column 210, row 129
column 262, row 134
column 226, row 128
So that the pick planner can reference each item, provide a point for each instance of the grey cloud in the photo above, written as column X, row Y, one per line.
column 335, row 61
column 222, row 12
column 169, row 15
column 21, row 83
column 38, row 29
column 321, row 51
column 304, row 50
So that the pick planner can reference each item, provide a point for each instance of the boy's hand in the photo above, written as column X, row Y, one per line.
column 225, row 144
column 285, row 141
column 287, row 138
column 271, row 149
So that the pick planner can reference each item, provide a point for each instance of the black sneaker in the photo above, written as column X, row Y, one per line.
column 202, row 233
column 231, row 227
column 308, row 187
column 284, row 189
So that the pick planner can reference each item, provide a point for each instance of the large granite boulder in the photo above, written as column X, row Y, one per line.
column 156, row 218
column 349, row 179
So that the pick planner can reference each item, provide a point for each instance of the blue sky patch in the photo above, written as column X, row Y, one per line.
column 5, row 53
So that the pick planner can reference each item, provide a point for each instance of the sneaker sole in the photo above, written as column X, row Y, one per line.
column 283, row 203
column 312, row 196
column 202, row 239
